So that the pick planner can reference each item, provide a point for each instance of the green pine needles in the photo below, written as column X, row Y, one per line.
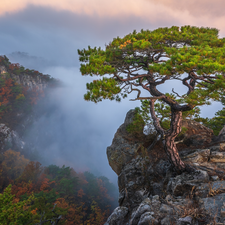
column 167, row 53
column 147, row 59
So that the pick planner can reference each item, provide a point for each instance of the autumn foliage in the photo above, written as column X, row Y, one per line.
column 14, row 96
column 31, row 193
column 81, row 198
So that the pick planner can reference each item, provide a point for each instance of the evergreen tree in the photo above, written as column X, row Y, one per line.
column 146, row 60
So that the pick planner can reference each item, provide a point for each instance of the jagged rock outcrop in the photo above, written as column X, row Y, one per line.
column 125, row 145
column 10, row 139
column 151, row 193
column 196, row 134
column 25, row 79
column 20, row 93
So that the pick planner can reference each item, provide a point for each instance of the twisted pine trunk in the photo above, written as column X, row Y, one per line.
column 169, row 141
column 169, row 137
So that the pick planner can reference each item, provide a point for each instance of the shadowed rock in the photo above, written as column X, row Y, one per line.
column 125, row 145
column 151, row 193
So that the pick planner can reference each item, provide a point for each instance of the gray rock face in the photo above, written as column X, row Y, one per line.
column 214, row 205
column 144, row 207
column 5, row 135
column 167, row 220
column 26, row 80
column 185, row 221
column 217, row 157
column 125, row 145
column 9, row 138
column 10, row 135
column 198, row 156
column 196, row 134
column 132, row 183
column 185, row 182
column 3, row 70
column 30, row 81
column 147, row 218
column 152, row 193
column 117, row 217
column 166, row 209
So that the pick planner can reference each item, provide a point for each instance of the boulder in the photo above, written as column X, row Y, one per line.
column 215, row 206
column 197, row 156
column 183, row 184
column 166, row 209
column 196, row 134
column 147, row 219
column 125, row 145
column 167, row 220
column 210, row 189
column 185, row 221
column 217, row 157
column 220, row 147
column 117, row 217
column 144, row 207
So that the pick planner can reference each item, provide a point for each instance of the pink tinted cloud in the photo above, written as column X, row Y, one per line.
column 143, row 8
column 195, row 8
column 206, row 13
column 101, row 8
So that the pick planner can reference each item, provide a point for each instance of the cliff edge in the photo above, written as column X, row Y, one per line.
column 150, row 192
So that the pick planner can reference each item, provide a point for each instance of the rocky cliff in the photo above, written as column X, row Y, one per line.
column 20, row 89
column 151, row 193
column 25, row 77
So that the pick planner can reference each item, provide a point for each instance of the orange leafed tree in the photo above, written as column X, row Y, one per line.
column 80, row 193
column 32, row 171
column 14, row 66
column 12, row 165
column 6, row 92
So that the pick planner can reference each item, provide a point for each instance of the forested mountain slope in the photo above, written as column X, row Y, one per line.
column 29, row 190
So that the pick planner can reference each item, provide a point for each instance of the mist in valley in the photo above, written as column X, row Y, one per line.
column 70, row 131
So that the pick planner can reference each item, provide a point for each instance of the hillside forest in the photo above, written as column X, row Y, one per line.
column 34, row 194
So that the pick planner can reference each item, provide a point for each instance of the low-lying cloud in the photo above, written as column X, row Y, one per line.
column 73, row 132
column 46, row 35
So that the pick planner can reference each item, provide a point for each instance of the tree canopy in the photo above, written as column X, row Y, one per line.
column 195, row 56
column 147, row 59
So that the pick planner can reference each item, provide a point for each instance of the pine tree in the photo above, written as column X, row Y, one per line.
column 148, row 59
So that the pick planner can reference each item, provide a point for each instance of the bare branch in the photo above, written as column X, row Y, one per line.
column 201, row 84
column 144, row 85
column 145, row 98
column 162, row 80
column 135, row 89
column 139, row 93
column 130, row 78
column 176, row 93
column 190, row 87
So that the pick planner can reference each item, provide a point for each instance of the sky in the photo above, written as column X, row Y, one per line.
column 45, row 35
